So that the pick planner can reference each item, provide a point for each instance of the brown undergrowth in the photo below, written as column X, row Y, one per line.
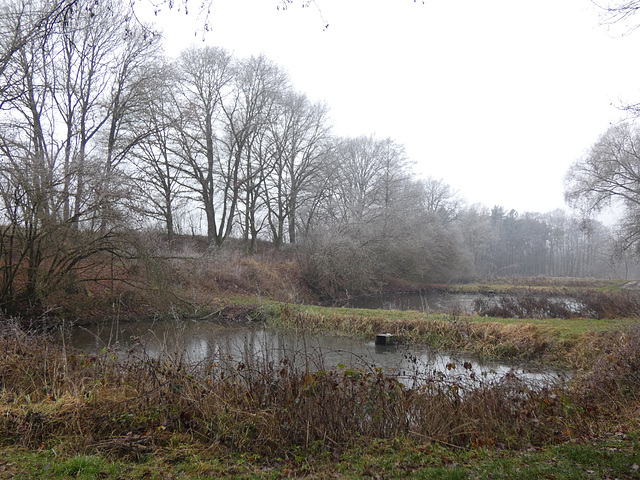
column 157, row 279
column 130, row 403
column 581, row 304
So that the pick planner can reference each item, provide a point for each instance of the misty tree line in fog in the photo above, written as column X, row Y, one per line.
column 101, row 135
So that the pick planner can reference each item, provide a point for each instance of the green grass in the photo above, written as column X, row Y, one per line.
column 388, row 459
column 568, row 327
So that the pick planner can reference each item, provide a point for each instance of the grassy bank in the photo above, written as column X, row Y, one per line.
column 571, row 343
column 549, row 285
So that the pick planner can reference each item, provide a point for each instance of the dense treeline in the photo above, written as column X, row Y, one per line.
column 552, row 244
column 101, row 136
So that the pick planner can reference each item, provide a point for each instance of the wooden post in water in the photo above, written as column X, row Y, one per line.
column 384, row 339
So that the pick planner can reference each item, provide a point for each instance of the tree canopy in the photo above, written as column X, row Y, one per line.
column 610, row 173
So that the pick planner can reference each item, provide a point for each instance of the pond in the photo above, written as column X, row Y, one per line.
column 516, row 306
column 212, row 342
column 440, row 302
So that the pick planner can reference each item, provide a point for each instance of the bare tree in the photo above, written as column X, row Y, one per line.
column 473, row 227
column 250, row 112
column 370, row 172
column 619, row 11
column 133, row 77
column 610, row 172
column 441, row 199
column 97, row 63
column 205, row 79
column 375, row 207
column 300, row 145
column 58, row 91
column 624, row 14
column 23, row 22
column 159, row 171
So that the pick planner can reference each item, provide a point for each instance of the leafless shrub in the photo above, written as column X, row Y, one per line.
column 524, row 306
column 339, row 266
column 623, row 304
column 586, row 304
column 615, row 376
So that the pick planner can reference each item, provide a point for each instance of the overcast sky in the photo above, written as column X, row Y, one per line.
column 497, row 98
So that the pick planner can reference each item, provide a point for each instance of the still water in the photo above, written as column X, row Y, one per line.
column 202, row 342
column 440, row 302
column 465, row 303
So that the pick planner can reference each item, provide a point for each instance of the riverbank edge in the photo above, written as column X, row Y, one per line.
column 569, row 344
column 563, row 343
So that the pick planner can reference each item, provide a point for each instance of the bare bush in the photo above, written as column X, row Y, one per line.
column 585, row 304
column 525, row 306
column 339, row 266
column 623, row 304
column 615, row 376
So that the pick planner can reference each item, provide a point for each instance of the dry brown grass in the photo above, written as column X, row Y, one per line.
column 159, row 278
column 231, row 270
column 615, row 374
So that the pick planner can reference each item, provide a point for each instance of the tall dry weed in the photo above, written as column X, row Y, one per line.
column 219, row 271
column 615, row 375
